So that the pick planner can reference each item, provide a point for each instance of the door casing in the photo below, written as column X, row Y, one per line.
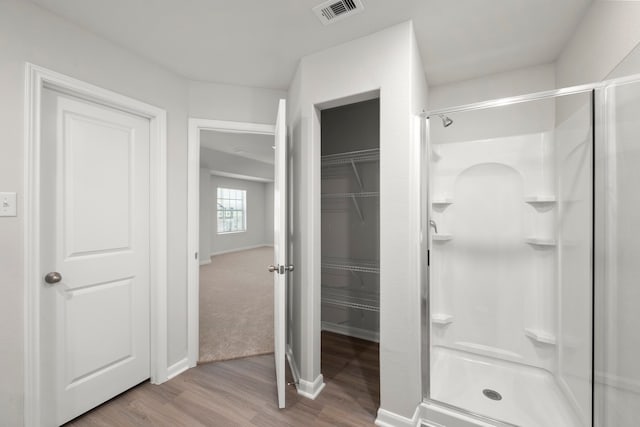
column 37, row 78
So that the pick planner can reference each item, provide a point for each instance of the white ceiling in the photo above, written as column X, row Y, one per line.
column 259, row 42
column 247, row 145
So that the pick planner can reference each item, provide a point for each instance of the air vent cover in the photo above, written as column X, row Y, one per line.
column 333, row 11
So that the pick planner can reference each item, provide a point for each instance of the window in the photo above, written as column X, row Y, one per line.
column 232, row 210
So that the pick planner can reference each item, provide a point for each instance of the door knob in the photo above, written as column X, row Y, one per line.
column 280, row 268
column 53, row 277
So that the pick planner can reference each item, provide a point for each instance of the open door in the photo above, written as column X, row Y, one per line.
column 280, row 268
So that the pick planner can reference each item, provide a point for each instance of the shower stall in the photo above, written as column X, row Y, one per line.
column 527, row 308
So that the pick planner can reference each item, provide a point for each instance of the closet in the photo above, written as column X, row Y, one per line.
column 350, row 213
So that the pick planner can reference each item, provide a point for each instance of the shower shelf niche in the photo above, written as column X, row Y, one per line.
column 441, row 237
column 540, row 336
column 441, row 319
column 540, row 241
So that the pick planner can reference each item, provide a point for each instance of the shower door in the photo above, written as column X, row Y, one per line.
column 509, row 219
column 617, row 355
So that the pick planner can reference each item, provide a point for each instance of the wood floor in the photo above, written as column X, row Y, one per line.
column 242, row 393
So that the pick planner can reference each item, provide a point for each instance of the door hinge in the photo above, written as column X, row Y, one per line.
column 196, row 255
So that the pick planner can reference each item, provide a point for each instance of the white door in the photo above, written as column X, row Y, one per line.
column 280, row 267
column 95, row 191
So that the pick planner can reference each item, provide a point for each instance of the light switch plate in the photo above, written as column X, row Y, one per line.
column 8, row 204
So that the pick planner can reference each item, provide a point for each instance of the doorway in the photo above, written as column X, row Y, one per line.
column 350, row 243
column 235, row 245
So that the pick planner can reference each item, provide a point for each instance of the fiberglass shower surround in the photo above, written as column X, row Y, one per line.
column 510, row 195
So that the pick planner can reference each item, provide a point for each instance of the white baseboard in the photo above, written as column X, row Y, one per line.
column 363, row 334
column 244, row 248
column 307, row 389
column 311, row 389
column 205, row 261
column 389, row 419
column 177, row 368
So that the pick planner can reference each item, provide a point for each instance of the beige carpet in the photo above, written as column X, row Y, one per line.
column 236, row 305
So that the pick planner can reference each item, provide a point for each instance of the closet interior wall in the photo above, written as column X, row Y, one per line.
column 350, row 137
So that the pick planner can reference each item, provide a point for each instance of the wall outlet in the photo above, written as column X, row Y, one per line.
column 8, row 204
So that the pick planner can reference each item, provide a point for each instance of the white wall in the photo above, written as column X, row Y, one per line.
column 28, row 33
column 530, row 117
column 235, row 103
column 606, row 35
column 256, row 212
column 386, row 61
column 493, row 86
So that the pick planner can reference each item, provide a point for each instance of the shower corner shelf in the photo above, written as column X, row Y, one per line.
column 540, row 336
column 540, row 200
column 441, row 237
column 540, row 241
column 441, row 319
column 442, row 202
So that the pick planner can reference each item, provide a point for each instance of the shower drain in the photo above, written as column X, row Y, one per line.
column 492, row 394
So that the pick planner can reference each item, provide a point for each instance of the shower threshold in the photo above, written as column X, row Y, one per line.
column 512, row 393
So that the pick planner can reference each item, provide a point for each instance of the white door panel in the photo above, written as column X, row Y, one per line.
column 98, row 181
column 280, row 250
column 96, row 155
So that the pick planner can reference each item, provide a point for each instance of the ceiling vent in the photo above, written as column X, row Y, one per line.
column 333, row 11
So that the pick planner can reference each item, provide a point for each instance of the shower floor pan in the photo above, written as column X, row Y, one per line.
column 520, row 395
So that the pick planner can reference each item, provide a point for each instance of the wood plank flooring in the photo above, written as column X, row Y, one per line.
column 242, row 392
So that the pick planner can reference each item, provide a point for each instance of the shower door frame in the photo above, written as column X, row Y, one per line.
column 597, row 108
